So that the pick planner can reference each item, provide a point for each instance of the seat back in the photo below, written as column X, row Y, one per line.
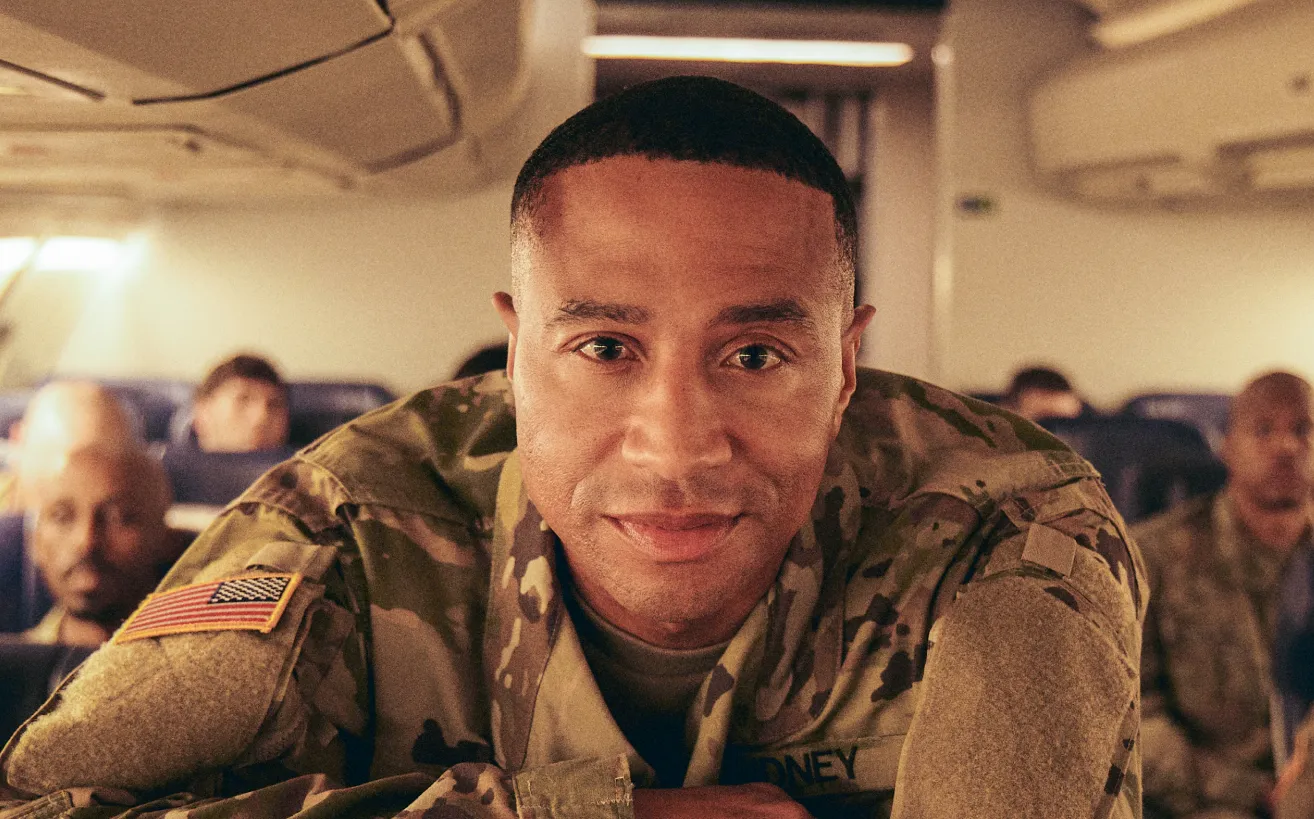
column 216, row 478
column 1146, row 463
column 1293, row 647
column 318, row 407
column 23, row 596
column 29, row 673
column 1206, row 411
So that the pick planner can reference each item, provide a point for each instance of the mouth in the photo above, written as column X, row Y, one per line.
column 675, row 537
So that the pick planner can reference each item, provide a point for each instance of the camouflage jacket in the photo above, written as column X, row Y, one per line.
column 1205, row 670
column 957, row 633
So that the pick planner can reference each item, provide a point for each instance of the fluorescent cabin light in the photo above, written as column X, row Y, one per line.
column 736, row 50
column 82, row 254
column 15, row 252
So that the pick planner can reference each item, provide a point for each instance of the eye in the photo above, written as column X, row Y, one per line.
column 604, row 348
column 755, row 358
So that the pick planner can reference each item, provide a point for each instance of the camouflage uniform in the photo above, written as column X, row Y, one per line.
column 1205, row 670
column 426, row 664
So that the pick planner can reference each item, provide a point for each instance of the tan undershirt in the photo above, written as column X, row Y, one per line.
column 648, row 689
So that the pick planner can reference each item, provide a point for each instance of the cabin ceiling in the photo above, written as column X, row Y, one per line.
column 168, row 101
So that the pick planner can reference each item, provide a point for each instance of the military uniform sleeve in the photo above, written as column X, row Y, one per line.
column 234, row 723
column 1031, row 699
column 1180, row 778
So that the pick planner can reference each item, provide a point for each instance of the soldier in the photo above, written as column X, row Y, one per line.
column 100, row 542
column 241, row 406
column 1215, row 564
column 62, row 416
column 684, row 558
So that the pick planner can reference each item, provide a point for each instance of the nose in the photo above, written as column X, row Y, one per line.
column 677, row 426
column 86, row 537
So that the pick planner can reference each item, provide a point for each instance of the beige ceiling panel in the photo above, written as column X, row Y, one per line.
column 376, row 107
column 481, row 47
column 136, row 49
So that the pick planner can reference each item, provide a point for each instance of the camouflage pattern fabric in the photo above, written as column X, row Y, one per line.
column 1207, row 683
column 427, row 667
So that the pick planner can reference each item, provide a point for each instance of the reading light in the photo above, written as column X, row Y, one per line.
column 81, row 254
column 738, row 50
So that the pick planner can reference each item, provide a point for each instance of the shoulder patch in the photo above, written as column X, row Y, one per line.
column 249, row 602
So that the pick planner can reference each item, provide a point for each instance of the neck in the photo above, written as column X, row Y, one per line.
column 1278, row 527
column 673, row 634
column 75, row 631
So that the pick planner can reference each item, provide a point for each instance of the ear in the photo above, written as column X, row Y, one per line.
column 850, row 344
column 506, row 308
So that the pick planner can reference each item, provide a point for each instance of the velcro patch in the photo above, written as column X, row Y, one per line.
column 252, row 602
column 1051, row 549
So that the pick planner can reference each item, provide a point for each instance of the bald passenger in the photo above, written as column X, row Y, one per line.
column 62, row 417
column 99, row 541
column 1215, row 565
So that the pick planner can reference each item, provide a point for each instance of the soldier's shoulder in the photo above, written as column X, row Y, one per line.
column 437, row 451
column 906, row 436
column 1178, row 532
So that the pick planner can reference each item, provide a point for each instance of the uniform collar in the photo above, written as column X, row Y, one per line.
column 785, row 651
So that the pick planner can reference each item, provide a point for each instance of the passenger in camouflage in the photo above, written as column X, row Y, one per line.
column 684, row 559
column 1215, row 565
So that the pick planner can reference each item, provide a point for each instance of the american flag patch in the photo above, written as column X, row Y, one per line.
column 252, row 603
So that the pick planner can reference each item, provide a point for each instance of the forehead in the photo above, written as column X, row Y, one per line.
column 94, row 478
column 1270, row 401
column 667, row 221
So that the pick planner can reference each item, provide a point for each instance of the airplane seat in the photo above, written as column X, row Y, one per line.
column 1293, row 647
column 13, row 403
column 317, row 407
column 29, row 673
column 23, row 596
column 1125, row 449
column 996, row 398
column 1157, row 487
column 216, row 478
column 1205, row 411
column 155, row 399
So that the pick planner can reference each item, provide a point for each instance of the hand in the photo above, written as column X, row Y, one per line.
column 756, row 801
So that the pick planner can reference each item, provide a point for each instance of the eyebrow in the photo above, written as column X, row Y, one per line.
column 784, row 311
column 585, row 310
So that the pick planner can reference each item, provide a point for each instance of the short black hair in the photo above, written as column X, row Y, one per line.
column 242, row 365
column 1044, row 379
column 693, row 119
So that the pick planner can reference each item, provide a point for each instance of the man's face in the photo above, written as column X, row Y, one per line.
column 1036, row 404
column 242, row 415
column 682, row 354
column 99, row 538
column 1268, row 450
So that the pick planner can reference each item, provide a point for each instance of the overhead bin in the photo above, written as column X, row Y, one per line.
column 1227, row 109
column 152, row 49
column 315, row 95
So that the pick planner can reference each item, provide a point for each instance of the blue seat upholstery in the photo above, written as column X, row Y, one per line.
column 29, row 673
column 1206, row 411
column 13, row 403
column 317, row 407
column 1146, row 463
column 23, row 596
column 216, row 478
column 1293, row 649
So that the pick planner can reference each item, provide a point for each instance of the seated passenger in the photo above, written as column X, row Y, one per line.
column 63, row 416
column 687, row 560
column 1215, row 565
column 1037, row 393
column 100, row 542
column 241, row 406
